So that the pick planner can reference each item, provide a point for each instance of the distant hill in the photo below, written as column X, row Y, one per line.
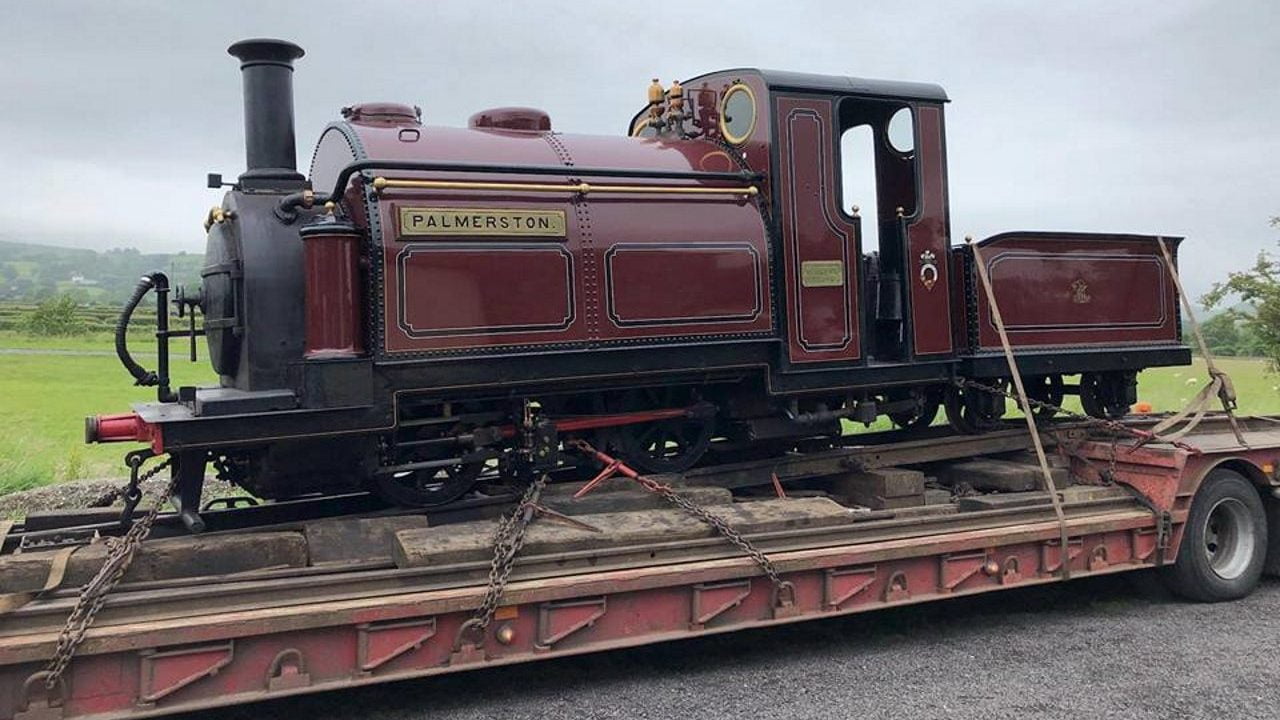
column 32, row 272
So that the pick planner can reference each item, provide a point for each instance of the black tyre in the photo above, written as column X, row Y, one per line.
column 1224, row 543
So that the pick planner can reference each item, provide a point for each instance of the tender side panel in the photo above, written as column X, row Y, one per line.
column 1078, row 289
column 927, row 241
column 820, row 249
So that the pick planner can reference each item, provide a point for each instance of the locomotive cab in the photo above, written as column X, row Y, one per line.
column 856, row 291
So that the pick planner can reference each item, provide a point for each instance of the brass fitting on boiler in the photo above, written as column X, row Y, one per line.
column 675, row 102
column 216, row 215
column 657, row 105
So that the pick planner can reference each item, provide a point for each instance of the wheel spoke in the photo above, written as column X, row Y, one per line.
column 664, row 446
column 645, row 438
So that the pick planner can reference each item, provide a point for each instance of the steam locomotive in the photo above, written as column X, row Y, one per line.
column 435, row 301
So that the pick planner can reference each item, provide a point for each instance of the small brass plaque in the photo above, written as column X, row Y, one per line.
column 480, row 221
column 821, row 273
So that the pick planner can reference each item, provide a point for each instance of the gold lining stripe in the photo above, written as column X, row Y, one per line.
column 381, row 183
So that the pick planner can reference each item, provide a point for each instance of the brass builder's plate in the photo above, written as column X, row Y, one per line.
column 821, row 273
column 480, row 221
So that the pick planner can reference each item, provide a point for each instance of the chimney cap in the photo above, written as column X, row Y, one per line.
column 254, row 51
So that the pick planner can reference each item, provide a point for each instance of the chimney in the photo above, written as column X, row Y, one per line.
column 270, row 155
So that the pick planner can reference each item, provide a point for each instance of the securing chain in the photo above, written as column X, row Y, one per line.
column 130, row 491
column 1114, row 426
column 507, row 541
column 668, row 493
column 120, row 553
column 784, row 591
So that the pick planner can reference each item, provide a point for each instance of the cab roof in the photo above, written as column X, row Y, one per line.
column 845, row 85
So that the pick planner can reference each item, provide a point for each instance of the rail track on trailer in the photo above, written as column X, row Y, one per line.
column 310, row 595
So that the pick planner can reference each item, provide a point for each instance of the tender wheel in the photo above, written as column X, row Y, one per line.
column 667, row 446
column 973, row 411
column 1224, row 543
column 922, row 415
column 427, row 488
column 1047, row 389
column 1105, row 395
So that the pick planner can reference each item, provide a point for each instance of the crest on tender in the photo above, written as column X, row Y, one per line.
column 1080, row 292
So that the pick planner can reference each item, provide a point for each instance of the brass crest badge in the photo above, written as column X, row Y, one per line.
column 1080, row 292
column 928, row 269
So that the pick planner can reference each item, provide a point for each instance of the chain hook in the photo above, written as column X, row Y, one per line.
column 133, row 492
column 784, row 594
column 471, row 632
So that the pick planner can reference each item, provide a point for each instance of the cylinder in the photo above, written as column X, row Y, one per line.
column 266, row 68
column 331, row 257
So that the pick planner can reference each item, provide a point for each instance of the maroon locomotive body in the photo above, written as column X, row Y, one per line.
column 432, row 303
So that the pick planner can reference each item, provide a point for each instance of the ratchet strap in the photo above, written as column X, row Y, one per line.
column 57, row 571
column 1027, row 412
column 1219, row 383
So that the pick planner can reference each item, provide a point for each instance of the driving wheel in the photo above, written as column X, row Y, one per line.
column 1047, row 389
column 971, row 410
column 922, row 415
column 429, row 487
column 1103, row 395
column 664, row 446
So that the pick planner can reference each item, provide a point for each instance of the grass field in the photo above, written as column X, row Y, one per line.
column 44, row 398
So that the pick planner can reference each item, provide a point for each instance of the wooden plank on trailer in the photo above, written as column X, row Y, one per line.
column 167, row 559
column 630, row 498
column 346, row 540
column 474, row 541
column 996, row 475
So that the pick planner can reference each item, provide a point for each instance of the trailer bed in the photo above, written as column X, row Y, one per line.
column 380, row 596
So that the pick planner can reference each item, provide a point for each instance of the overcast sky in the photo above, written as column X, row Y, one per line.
column 1156, row 117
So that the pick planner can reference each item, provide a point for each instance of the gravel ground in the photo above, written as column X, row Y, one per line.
column 94, row 493
column 1114, row 647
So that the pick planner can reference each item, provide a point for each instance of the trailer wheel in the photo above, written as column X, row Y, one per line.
column 1224, row 543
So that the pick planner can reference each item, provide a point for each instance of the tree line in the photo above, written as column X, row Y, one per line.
column 33, row 273
column 1255, row 323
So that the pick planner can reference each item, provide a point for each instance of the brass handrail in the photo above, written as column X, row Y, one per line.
column 381, row 183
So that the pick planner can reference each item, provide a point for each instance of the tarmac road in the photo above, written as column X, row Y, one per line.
column 1104, row 648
